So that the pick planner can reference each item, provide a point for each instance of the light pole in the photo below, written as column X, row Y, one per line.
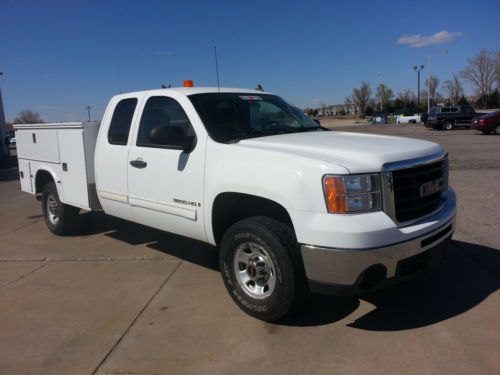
column 4, row 148
column 88, row 110
column 418, row 69
column 442, row 52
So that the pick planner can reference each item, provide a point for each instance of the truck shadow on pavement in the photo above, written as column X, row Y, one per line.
column 468, row 275
column 184, row 248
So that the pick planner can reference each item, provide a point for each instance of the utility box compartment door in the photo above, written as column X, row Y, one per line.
column 25, row 176
column 37, row 144
column 73, row 170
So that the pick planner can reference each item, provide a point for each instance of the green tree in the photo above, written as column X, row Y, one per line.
column 384, row 95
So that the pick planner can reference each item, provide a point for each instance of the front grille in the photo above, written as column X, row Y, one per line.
column 408, row 203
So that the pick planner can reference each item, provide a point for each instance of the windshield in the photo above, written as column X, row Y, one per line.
column 229, row 117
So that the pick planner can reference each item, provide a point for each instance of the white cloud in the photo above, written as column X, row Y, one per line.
column 418, row 40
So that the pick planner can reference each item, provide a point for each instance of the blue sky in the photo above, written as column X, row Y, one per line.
column 59, row 56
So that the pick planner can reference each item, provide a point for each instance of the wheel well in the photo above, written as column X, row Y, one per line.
column 230, row 208
column 42, row 178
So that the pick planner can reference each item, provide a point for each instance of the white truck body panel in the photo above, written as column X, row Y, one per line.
column 25, row 176
column 66, row 151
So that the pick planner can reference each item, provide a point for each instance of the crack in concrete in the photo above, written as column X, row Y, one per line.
column 23, row 276
column 127, row 330
column 20, row 227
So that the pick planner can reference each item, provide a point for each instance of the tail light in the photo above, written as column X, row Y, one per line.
column 481, row 122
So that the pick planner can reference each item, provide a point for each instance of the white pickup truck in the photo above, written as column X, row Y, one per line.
column 291, row 206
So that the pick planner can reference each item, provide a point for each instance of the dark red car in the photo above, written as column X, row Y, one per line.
column 488, row 123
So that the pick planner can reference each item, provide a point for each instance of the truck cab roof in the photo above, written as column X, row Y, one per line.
column 195, row 90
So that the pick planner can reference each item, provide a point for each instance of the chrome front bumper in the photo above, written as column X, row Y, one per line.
column 345, row 267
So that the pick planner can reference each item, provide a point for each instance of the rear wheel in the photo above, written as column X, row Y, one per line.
column 60, row 218
column 448, row 125
column 262, row 269
column 497, row 130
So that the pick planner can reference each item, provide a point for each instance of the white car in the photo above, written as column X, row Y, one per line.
column 415, row 119
column 292, row 206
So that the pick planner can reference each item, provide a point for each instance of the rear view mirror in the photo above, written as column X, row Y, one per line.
column 173, row 137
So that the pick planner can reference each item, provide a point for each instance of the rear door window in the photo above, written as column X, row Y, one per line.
column 453, row 109
column 121, row 121
column 445, row 110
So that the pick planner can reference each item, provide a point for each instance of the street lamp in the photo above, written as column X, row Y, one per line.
column 442, row 52
column 418, row 69
column 88, row 110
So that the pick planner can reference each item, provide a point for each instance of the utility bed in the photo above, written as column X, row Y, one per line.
column 66, row 151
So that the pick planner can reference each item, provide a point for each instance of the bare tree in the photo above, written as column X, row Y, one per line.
column 28, row 117
column 384, row 94
column 361, row 96
column 454, row 89
column 406, row 97
column 433, row 84
column 481, row 73
column 348, row 104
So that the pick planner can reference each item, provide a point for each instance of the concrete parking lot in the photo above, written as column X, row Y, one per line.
column 119, row 298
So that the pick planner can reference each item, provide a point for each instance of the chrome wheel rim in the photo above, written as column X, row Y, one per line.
column 497, row 129
column 254, row 270
column 448, row 126
column 52, row 209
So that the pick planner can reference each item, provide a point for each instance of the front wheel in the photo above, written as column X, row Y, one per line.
column 448, row 125
column 262, row 269
column 497, row 130
column 60, row 218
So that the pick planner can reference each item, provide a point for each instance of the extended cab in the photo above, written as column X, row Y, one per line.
column 291, row 206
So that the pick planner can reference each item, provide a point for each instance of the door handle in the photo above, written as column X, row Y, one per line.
column 138, row 164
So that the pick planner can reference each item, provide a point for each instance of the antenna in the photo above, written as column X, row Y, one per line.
column 217, row 68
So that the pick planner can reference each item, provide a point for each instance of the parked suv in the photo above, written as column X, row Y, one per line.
column 449, row 117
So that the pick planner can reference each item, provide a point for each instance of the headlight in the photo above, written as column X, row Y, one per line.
column 352, row 193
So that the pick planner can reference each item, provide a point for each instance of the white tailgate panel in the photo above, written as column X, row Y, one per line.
column 74, row 178
column 25, row 176
column 37, row 144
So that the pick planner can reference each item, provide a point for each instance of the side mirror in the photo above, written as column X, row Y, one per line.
column 173, row 137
